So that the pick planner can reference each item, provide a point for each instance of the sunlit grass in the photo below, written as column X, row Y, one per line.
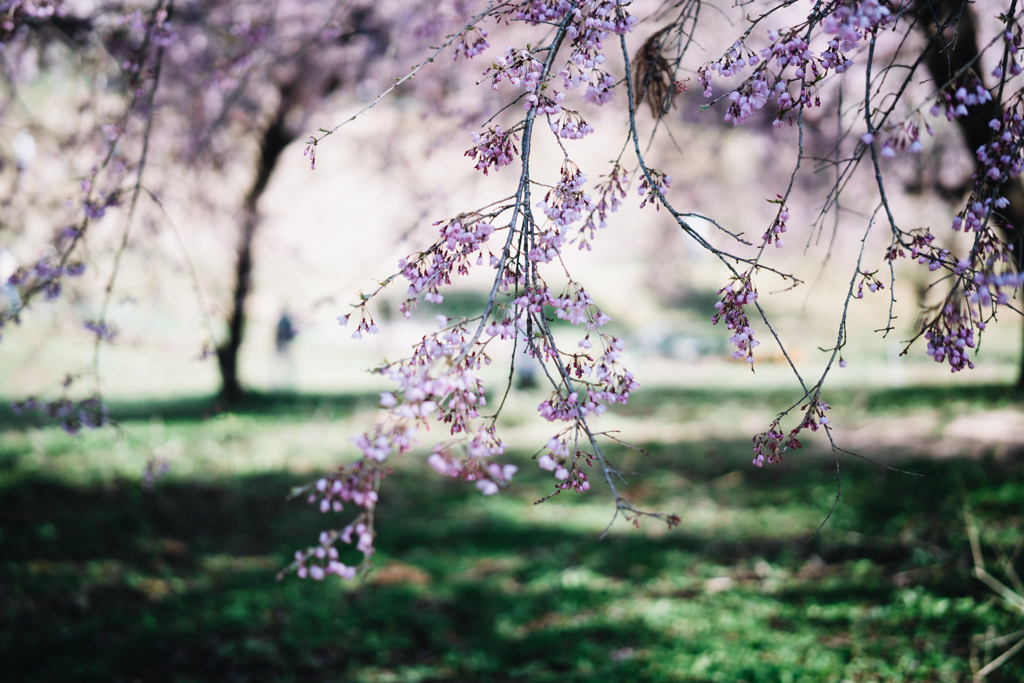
column 102, row 580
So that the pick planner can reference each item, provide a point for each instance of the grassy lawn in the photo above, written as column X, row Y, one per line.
column 101, row 580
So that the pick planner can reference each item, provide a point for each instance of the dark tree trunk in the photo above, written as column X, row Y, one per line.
column 310, row 83
column 295, row 94
column 275, row 139
column 952, row 29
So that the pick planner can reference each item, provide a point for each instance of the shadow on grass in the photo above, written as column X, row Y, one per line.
column 872, row 399
column 303, row 405
column 195, row 408
column 113, row 583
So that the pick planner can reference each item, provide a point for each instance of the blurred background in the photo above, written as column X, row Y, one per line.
column 147, row 549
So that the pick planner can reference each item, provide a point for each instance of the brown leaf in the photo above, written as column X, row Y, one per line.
column 652, row 76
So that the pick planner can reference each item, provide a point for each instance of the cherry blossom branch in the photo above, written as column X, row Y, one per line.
column 523, row 192
column 880, row 464
column 102, row 332
column 871, row 144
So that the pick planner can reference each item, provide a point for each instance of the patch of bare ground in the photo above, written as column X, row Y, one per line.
column 997, row 432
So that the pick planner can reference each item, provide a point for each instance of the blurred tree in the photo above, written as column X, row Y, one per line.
column 211, row 76
column 308, row 57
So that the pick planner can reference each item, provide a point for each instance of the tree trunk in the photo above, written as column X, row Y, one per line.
column 951, row 27
column 275, row 139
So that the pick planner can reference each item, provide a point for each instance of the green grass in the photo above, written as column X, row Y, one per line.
column 871, row 401
column 101, row 580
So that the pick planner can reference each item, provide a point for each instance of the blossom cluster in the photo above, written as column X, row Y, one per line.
column 599, row 88
column 737, row 294
column 986, row 279
column 45, row 275
column 591, row 23
column 869, row 279
column 14, row 13
column 89, row 413
column 814, row 416
column 993, row 289
column 778, row 226
column 536, row 12
column 954, row 100
column 735, row 59
column 610, row 383
column 461, row 237
column 439, row 376
column 987, row 276
column 901, row 136
column 455, row 394
column 472, row 42
column 566, row 203
column 566, row 466
column 974, row 216
column 355, row 483
column 922, row 249
column 594, row 21
column 488, row 476
column 320, row 560
column 366, row 324
column 519, row 67
column 571, row 125
column 1013, row 37
column 559, row 407
column 770, row 444
column 603, row 379
column 610, row 194
column 545, row 106
column 438, row 379
column 651, row 190
column 101, row 329
column 578, row 308
column 494, row 147
column 949, row 336
column 1001, row 157
column 310, row 151
column 849, row 22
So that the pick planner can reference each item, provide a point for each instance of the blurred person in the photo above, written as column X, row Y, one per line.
column 284, row 365
column 526, row 368
column 10, row 299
